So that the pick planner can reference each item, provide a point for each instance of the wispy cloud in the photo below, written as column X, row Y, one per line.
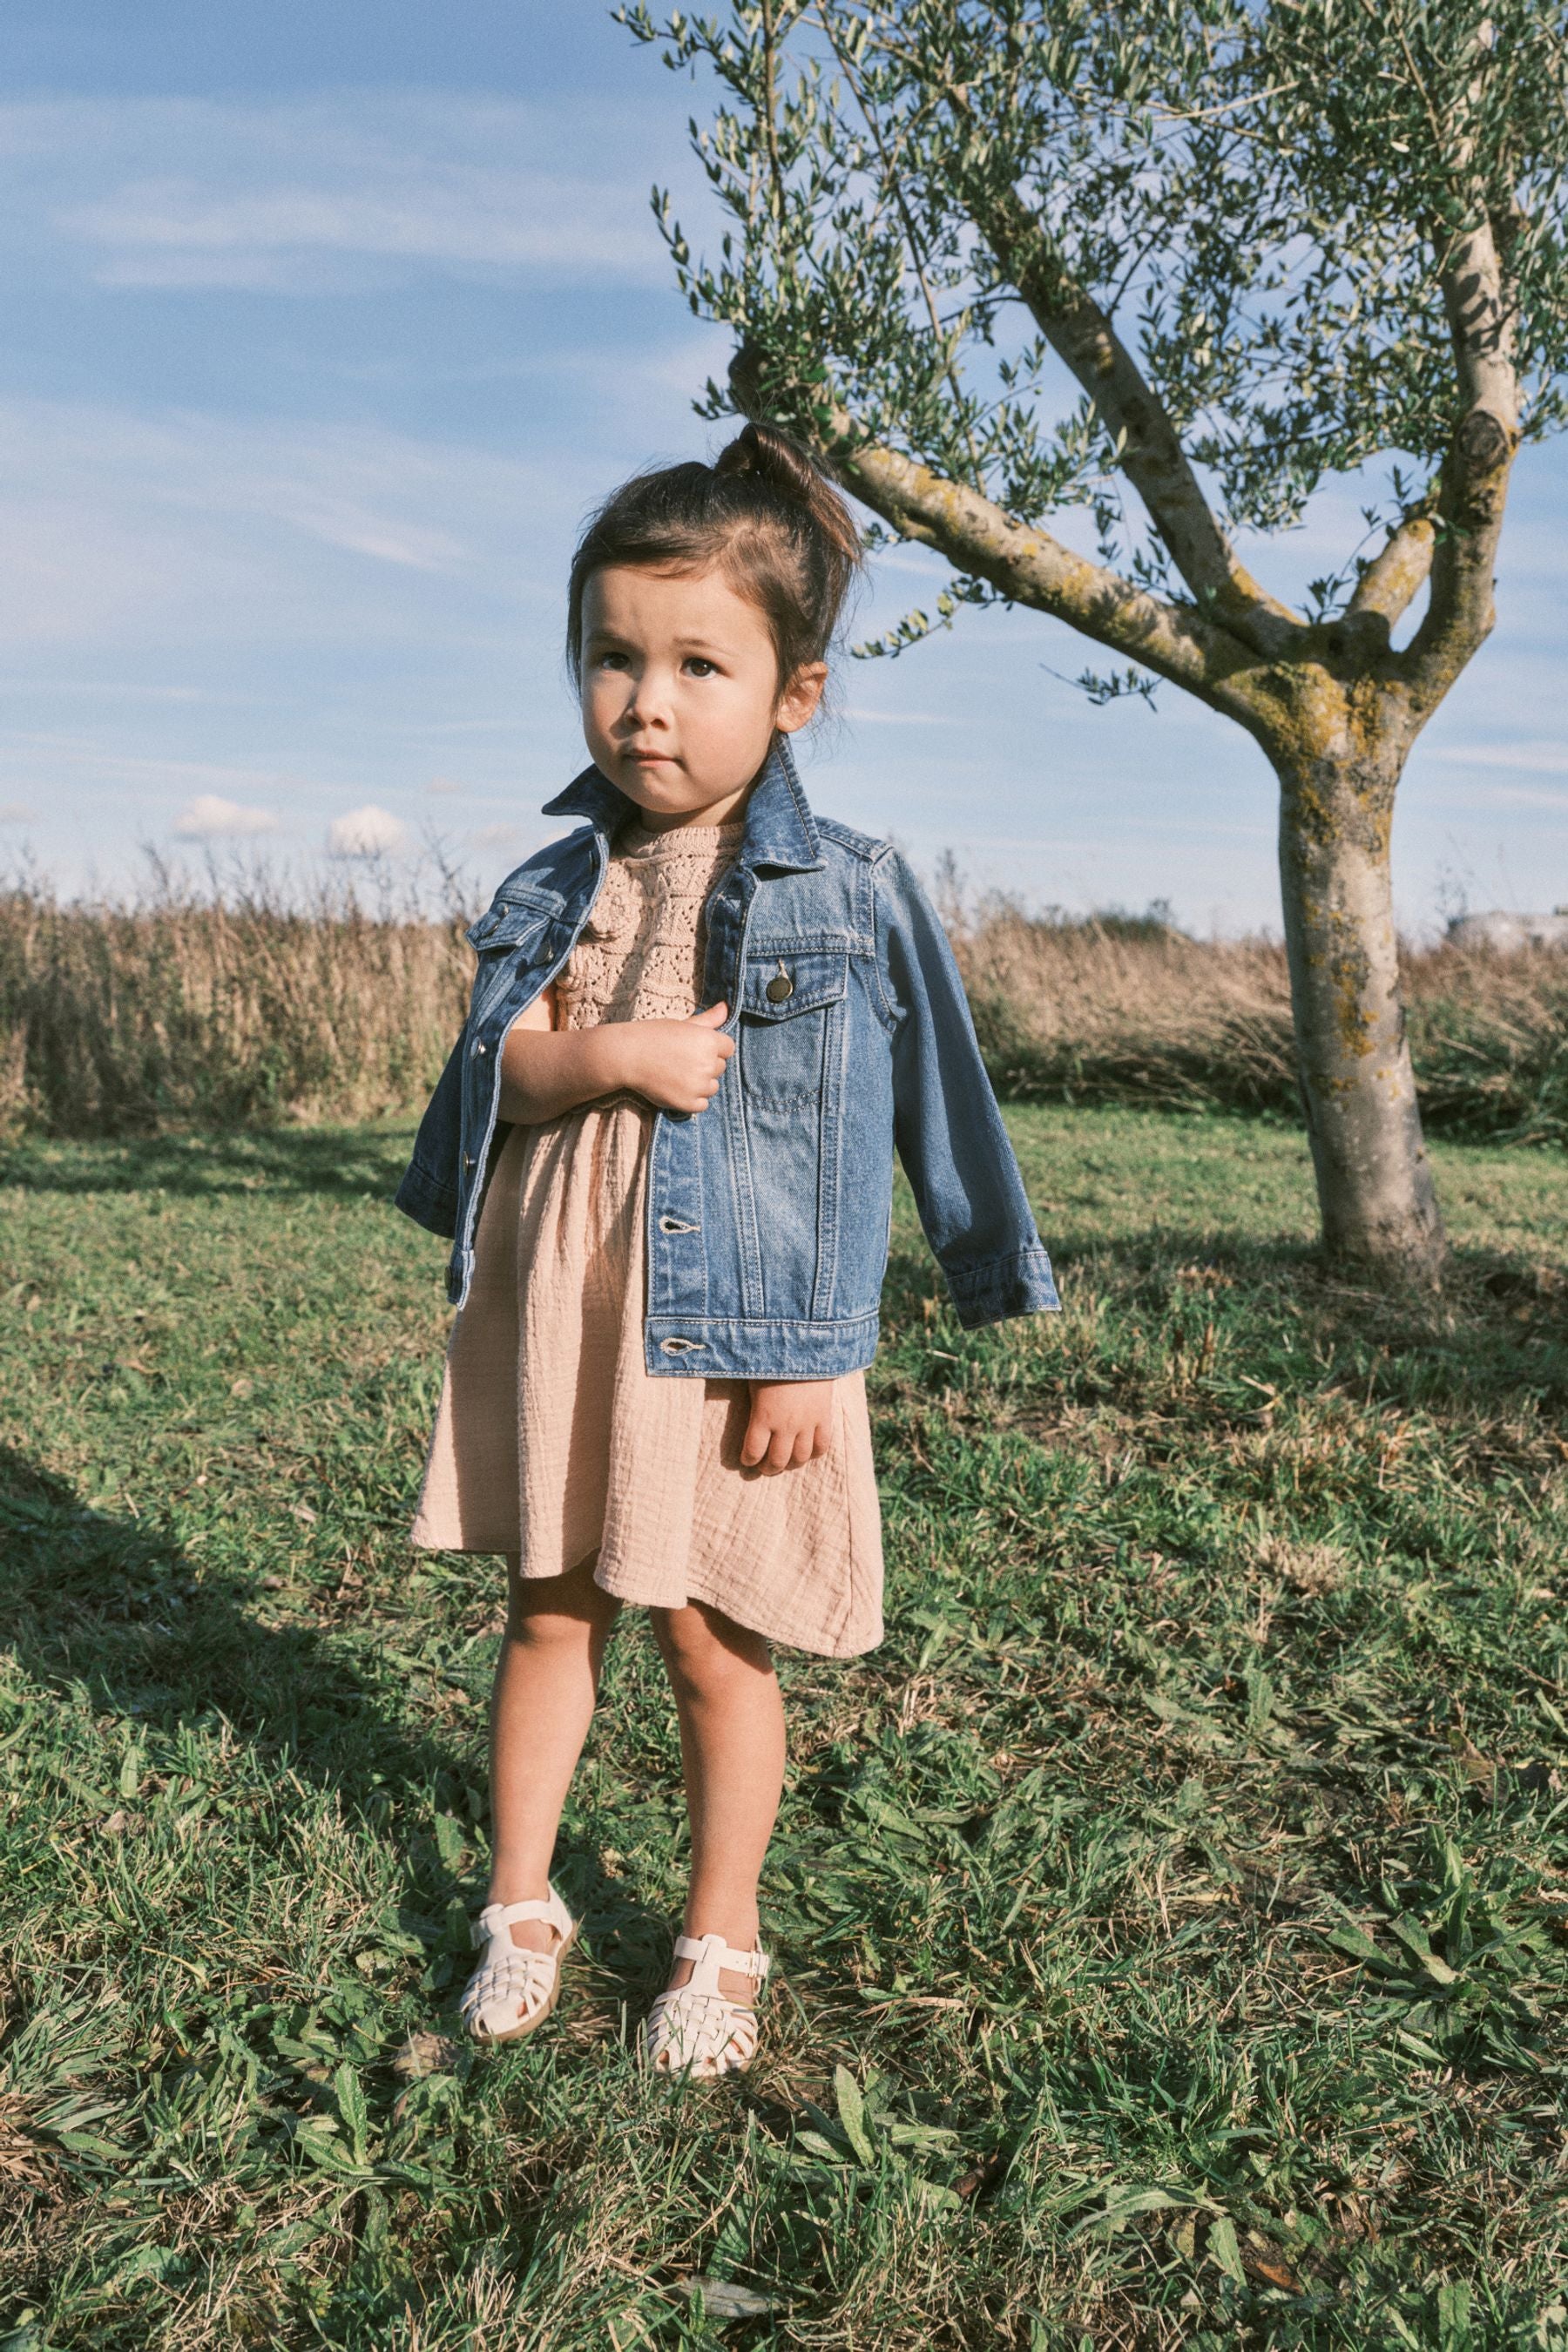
column 859, row 717
column 1531, row 759
column 291, row 197
column 515, row 837
column 14, row 813
column 117, row 525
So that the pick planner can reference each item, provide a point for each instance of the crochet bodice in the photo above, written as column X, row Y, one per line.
column 640, row 955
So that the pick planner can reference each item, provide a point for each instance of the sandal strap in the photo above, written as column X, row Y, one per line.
column 708, row 1953
column 496, row 1918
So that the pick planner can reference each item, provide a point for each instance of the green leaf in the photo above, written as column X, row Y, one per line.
column 852, row 2113
column 1357, row 1946
column 1414, row 1939
column 1121, row 2204
column 150, row 2263
column 1454, row 2334
column 1223, row 2249
column 450, row 1840
column 724, row 2299
column 349, row 2094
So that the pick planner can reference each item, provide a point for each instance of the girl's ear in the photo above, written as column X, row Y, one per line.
column 800, row 698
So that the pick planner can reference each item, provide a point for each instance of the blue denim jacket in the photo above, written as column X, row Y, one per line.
column 769, row 1213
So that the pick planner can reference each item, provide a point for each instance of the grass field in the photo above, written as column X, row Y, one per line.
column 1172, row 1917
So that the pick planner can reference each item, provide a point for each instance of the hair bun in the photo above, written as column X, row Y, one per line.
column 771, row 457
column 764, row 454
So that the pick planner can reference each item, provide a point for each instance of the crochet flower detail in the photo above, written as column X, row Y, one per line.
column 640, row 955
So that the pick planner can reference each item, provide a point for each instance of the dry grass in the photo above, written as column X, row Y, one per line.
column 1128, row 1010
column 182, row 1012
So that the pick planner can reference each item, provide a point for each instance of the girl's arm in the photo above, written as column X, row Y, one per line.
column 949, row 1132
column 546, row 1071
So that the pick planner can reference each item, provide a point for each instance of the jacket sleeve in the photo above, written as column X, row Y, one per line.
column 946, row 1124
column 428, row 1192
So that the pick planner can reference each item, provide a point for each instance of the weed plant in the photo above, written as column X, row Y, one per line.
column 1171, row 1918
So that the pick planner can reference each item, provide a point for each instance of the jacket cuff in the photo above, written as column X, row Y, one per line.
column 427, row 1200
column 1019, row 1284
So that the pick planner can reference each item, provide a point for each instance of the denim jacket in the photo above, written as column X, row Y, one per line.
column 768, row 1212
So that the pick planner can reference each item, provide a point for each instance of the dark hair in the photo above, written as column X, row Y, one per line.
column 764, row 510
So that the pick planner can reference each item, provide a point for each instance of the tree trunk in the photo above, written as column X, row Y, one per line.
column 1374, row 1180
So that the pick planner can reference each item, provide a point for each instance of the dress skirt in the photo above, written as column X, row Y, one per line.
column 554, row 1444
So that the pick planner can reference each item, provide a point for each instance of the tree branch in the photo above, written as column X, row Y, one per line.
column 1149, row 453
column 1398, row 571
column 1026, row 564
column 1473, row 484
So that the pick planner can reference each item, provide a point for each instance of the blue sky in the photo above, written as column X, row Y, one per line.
column 326, row 324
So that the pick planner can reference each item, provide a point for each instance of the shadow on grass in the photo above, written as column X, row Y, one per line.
column 350, row 1162
column 1494, row 1337
column 114, row 1606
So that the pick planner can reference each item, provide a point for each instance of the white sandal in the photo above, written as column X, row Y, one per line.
column 695, row 2030
column 514, row 1990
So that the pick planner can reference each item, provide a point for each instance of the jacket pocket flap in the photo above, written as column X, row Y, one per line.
column 509, row 921
column 778, row 985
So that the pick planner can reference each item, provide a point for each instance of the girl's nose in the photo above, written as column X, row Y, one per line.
column 647, row 706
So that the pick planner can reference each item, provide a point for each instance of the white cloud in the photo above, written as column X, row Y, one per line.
column 368, row 832
column 14, row 812
column 210, row 817
column 1531, row 759
column 443, row 786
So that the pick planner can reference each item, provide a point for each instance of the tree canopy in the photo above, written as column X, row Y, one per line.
column 1268, row 241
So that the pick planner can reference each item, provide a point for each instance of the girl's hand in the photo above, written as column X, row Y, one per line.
column 791, row 1424
column 676, row 1065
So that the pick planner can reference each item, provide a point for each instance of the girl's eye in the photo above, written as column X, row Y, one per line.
column 699, row 668
column 612, row 661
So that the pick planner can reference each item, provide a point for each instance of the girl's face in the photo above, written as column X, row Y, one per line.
column 680, row 690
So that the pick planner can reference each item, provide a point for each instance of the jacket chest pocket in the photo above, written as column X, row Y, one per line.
column 507, row 936
column 790, row 1006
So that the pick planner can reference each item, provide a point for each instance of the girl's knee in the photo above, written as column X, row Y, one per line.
column 544, row 1611
column 701, row 1646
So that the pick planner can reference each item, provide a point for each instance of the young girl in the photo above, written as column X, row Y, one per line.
column 663, row 1148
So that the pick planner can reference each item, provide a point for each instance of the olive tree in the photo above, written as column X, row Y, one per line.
column 1178, row 264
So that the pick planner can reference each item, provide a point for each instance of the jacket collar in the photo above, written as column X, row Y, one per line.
column 779, row 828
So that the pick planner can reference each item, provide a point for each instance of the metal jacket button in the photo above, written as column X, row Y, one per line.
column 781, row 988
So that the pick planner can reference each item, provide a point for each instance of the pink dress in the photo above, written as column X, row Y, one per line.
column 552, row 1440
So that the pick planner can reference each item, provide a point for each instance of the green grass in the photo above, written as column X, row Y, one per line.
column 1171, row 1918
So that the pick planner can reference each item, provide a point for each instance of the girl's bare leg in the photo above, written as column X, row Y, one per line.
column 546, row 1682
column 732, row 1755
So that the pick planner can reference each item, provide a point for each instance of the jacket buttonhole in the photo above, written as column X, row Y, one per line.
column 674, row 1226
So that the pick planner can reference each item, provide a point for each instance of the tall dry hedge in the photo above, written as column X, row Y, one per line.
column 182, row 1013
column 1120, row 1010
